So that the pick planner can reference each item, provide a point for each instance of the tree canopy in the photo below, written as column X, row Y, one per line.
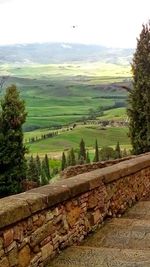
column 12, row 149
column 139, row 97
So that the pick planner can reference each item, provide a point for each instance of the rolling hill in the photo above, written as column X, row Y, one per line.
column 60, row 83
column 52, row 53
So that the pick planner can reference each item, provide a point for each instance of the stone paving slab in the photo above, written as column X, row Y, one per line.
column 102, row 257
column 141, row 210
column 121, row 233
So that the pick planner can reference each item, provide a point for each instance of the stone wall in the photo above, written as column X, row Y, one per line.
column 36, row 225
column 78, row 169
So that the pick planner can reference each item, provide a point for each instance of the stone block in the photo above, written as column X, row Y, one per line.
column 92, row 201
column 75, row 185
column 12, row 210
column 47, row 251
column 53, row 193
column 24, row 256
column 8, row 237
column 94, row 217
column 13, row 257
column 41, row 233
column 35, row 200
column 10, row 247
column 73, row 215
column 18, row 233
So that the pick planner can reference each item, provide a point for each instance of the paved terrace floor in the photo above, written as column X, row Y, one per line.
column 121, row 242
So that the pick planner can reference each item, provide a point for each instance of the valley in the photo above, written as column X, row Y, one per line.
column 80, row 90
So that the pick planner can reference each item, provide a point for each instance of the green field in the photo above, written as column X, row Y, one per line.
column 115, row 114
column 60, row 94
column 66, row 140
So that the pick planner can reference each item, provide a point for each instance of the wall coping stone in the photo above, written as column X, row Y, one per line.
column 18, row 207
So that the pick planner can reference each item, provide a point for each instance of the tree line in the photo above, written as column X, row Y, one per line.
column 38, row 170
column 34, row 139
column 81, row 156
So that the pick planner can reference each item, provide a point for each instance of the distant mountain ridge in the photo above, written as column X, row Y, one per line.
column 49, row 53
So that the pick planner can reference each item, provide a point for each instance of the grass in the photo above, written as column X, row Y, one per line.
column 60, row 94
column 66, row 140
column 115, row 114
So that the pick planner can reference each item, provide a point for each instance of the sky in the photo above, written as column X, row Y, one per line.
column 113, row 23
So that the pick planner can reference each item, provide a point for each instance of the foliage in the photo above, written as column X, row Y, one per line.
column 33, row 171
column 87, row 157
column 107, row 153
column 72, row 157
column 46, row 167
column 39, row 171
column 96, row 157
column 44, row 179
column 38, row 165
column 63, row 162
column 117, row 151
column 82, row 152
column 12, row 149
column 139, row 98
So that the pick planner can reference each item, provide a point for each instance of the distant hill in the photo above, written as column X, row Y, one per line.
column 48, row 53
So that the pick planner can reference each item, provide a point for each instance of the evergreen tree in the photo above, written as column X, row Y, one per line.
column 124, row 153
column 44, row 179
column 139, row 97
column 72, row 157
column 117, row 151
column 12, row 149
column 82, row 151
column 81, row 160
column 63, row 162
column 38, row 166
column 68, row 159
column 96, row 157
column 87, row 157
column 107, row 153
column 32, row 171
column 47, row 168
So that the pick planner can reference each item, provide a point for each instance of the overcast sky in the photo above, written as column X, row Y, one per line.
column 114, row 23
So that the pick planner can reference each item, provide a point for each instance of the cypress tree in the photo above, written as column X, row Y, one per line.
column 124, row 153
column 38, row 166
column 117, row 151
column 72, row 157
column 32, row 171
column 87, row 157
column 63, row 162
column 96, row 157
column 44, row 179
column 82, row 151
column 12, row 149
column 68, row 159
column 45, row 167
column 139, row 97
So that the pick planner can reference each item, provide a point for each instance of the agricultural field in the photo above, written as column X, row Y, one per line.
column 61, row 94
column 54, row 146
column 116, row 114
column 57, row 96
